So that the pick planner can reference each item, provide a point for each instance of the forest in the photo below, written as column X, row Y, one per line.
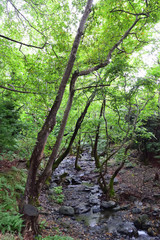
column 80, row 119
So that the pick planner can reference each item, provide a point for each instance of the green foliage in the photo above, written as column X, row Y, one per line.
column 11, row 186
column 57, row 196
column 10, row 222
column 148, row 137
column 10, row 126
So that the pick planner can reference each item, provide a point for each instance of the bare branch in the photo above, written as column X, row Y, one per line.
column 24, row 44
column 26, row 19
column 130, row 13
column 14, row 90
column 94, row 86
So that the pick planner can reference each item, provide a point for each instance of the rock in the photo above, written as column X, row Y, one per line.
column 96, row 209
column 76, row 181
column 155, row 211
column 93, row 199
column 95, row 189
column 66, row 210
column 30, row 210
column 116, row 209
column 125, row 207
column 82, row 208
column 128, row 229
column 156, row 195
column 115, row 182
column 138, row 204
column 136, row 210
column 108, row 205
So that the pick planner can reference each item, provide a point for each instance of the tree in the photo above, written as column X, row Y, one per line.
column 124, row 27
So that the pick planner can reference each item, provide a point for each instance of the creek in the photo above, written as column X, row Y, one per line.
column 83, row 195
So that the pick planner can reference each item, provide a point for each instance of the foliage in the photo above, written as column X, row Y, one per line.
column 148, row 141
column 57, row 196
column 10, row 126
column 35, row 43
column 11, row 187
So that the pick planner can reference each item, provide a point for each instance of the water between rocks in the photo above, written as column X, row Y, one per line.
column 83, row 195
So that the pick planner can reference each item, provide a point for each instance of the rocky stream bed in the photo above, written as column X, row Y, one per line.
column 134, row 213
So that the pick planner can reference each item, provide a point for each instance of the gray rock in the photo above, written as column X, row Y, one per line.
column 96, row 209
column 136, row 210
column 75, row 181
column 125, row 207
column 116, row 209
column 107, row 205
column 121, row 208
column 115, row 181
column 155, row 211
column 128, row 229
column 30, row 210
column 66, row 210
column 82, row 208
column 93, row 199
column 95, row 189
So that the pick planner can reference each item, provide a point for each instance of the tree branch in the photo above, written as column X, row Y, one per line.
column 94, row 86
column 24, row 44
column 14, row 90
column 105, row 63
column 18, row 12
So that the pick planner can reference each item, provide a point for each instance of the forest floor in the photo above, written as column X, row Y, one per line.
column 137, row 186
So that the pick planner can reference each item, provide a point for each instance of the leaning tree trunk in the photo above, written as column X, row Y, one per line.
column 30, row 191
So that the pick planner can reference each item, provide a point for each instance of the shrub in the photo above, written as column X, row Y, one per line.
column 10, row 126
column 148, row 138
column 11, row 187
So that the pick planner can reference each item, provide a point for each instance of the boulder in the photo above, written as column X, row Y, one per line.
column 127, row 229
column 66, row 210
column 108, row 205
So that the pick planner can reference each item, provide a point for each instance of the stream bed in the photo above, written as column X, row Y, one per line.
column 84, row 204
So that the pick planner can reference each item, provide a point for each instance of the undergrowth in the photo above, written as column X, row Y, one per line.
column 56, row 237
column 11, row 187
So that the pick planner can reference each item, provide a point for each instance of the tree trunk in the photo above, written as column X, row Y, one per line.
column 77, row 127
column 31, row 191
column 77, row 167
column 95, row 154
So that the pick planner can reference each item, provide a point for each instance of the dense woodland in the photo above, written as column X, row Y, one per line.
column 74, row 75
